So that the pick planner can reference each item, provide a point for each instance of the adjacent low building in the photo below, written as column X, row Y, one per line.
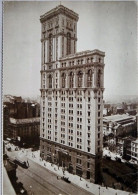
column 134, row 150
column 118, row 124
column 24, row 129
column 123, row 146
column 21, row 120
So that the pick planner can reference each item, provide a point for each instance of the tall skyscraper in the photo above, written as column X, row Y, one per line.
column 72, row 86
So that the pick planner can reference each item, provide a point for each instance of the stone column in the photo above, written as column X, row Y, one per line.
column 46, row 51
column 42, row 53
column 46, row 81
column 59, row 47
column 67, row 81
column 84, row 165
column 84, row 79
column 73, row 154
column 60, row 81
column 102, row 78
column 53, row 81
column 95, row 78
column 75, row 80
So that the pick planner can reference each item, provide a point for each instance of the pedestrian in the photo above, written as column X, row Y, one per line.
column 80, row 179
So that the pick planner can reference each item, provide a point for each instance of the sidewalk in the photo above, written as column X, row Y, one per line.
column 90, row 187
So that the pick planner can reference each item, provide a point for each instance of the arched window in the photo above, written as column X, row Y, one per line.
column 80, row 79
column 50, row 47
column 50, row 81
column 99, row 78
column 71, row 80
column 63, row 80
column 68, row 43
column 89, row 78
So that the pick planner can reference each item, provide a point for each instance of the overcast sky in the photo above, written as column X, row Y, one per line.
column 107, row 26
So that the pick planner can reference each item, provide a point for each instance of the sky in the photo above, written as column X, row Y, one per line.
column 108, row 26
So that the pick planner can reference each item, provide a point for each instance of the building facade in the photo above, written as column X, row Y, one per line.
column 25, row 130
column 72, row 86
column 119, row 124
column 123, row 146
column 134, row 150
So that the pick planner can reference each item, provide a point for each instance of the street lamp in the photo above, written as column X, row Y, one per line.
column 99, row 190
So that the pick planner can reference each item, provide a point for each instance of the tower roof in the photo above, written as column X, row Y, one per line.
column 59, row 10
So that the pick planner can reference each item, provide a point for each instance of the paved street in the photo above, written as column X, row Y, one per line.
column 42, row 177
column 42, row 181
column 45, row 182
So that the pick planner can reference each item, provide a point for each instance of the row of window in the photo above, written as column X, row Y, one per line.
column 79, row 62
column 63, row 92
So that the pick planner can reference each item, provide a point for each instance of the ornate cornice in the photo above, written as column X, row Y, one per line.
column 59, row 10
column 57, row 35
column 83, row 54
column 75, row 67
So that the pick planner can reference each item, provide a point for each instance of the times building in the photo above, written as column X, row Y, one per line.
column 72, row 85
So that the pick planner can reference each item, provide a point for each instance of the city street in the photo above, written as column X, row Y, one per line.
column 41, row 177
column 43, row 181
column 38, row 180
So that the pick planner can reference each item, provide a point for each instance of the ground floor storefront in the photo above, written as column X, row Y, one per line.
column 77, row 162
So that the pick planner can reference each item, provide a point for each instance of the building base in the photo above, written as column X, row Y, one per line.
column 75, row 161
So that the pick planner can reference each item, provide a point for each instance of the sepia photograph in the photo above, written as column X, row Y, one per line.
column 69, row 98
